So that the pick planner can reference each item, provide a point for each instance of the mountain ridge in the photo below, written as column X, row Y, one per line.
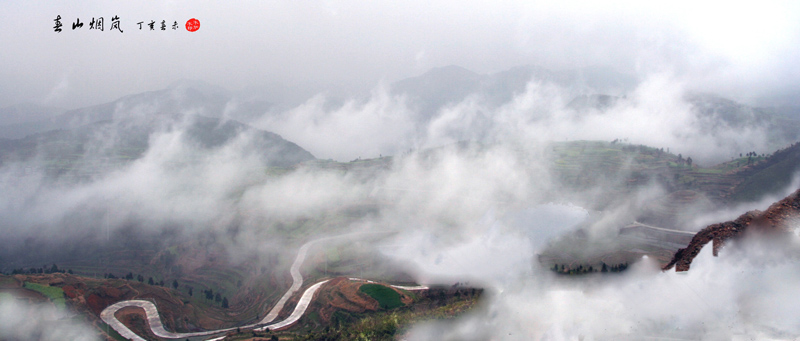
column 774, row 219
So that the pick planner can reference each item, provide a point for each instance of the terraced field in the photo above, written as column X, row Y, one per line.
column 623, row 167
column 386, row 297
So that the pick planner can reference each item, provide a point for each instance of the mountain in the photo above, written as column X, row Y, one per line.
column 182, row 97
column 594, row 91
column 21, row 120
column 662, row 225
column 778, row 218
column 442, row 86
column 107, row 143
column 97, row 137
column 178, row 99
column 717, row 115
column 768, row 176
column 594, row 101
column 439, row 87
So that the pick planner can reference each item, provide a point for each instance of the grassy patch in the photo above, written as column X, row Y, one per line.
column 173, row 250
column 386, row 297
column 386, row 325
column 55, row 294
column 314, row 316
column 710, row 171
column 7, row 281
column 111, row 332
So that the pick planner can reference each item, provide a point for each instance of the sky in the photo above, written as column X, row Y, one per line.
column 740, row 50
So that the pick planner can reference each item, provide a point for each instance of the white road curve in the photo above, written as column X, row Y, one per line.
column 685, row 233
column 401, row 287
column 157, row 327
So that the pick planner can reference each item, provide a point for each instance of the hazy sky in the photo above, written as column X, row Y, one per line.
column 741, row 50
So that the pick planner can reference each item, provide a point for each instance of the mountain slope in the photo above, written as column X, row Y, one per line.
column 104, row 144
column 717, row 115
column 777, row 218
column 447, row 85
column 770, row 175
column 180, row 98
column 21, row 120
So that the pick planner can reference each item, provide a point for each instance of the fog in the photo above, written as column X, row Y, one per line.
column 656, row 113
column 464, row 185
column 477, row 212
column 743, row 293
column 742, row 51
column 23, row 320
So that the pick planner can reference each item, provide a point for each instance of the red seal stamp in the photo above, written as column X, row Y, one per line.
column 192, row 25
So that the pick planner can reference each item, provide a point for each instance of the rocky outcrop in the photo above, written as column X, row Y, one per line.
column 777, row 218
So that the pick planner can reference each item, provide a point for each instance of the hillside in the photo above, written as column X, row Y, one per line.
column 592, row 93
column 778, row 218
column 768, row 176
column 83, row 142
column 95, row 147
column 89, row 296
column 178, row 99
column 452, row 84
column 343, row 307
column 22, row 120
column 620, row 168
column 716, row 115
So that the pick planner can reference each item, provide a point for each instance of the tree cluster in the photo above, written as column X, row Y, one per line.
column 209, row 295
column 44, row 269
column 642, row 149
column 580, row 269
column 681, row 161
column 752, row 155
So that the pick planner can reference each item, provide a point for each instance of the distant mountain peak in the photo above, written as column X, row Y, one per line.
column 450, row 70
column 199, row 85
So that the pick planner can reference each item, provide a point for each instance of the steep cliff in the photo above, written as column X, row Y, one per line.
column 776, row 219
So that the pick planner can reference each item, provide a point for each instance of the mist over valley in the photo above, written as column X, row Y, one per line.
column 519, row 172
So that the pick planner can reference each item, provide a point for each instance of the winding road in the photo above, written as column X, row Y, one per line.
column 108, row 315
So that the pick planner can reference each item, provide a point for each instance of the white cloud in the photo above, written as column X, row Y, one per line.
column 20, row 320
